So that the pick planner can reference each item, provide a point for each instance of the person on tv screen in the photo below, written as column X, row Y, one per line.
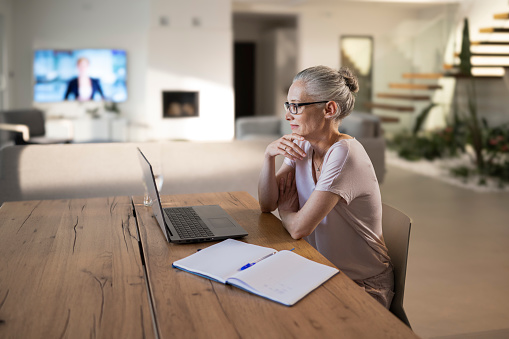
column 326, row 190
column 83, row 88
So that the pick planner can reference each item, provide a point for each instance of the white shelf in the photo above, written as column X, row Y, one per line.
column 87, row 129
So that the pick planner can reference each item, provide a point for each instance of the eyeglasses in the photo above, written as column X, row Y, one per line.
column 294, row 108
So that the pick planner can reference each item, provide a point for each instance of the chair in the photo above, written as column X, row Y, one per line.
column 396, row 230
column 26, row 127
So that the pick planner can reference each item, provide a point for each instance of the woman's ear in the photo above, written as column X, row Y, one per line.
column 331, row 108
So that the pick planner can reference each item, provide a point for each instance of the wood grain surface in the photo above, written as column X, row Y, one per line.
column 189, row 306
column 72, row 269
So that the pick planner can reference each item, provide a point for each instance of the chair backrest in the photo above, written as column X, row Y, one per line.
column 33, row 118
column 361, row 125
column 257, row 127
column 396, row 231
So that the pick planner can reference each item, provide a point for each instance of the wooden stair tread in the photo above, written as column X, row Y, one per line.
column 452, row 71
column 422, row 75
column 494, row 30
column 484, row 66
column 451, row 67
column 484, row 54
column 453, row 75
column 390, row 107
column 489, row 43
column 385, row 119
column 415, row 86
column 501, row 16
column 403, row 96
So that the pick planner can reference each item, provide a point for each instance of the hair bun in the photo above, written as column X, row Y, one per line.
column 350, row 79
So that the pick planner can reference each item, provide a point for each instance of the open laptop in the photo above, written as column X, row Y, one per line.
column 192, row 223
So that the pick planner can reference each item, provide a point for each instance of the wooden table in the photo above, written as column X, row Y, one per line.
column 89, row 268
column 72, row 269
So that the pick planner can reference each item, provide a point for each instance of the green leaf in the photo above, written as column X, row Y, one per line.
column 465, row 54
column 419, row 121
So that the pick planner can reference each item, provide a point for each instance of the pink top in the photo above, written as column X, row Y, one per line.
column 350, row 236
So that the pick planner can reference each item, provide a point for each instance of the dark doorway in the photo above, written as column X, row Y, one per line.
column 244, row 79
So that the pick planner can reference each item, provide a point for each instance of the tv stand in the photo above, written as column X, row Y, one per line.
column 89, row 130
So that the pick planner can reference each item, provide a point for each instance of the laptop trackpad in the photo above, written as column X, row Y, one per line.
column 220, row 222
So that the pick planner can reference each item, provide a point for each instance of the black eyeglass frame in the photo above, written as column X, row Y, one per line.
column 288, row 105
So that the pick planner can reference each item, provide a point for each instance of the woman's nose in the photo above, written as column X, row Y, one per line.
column 288, row 115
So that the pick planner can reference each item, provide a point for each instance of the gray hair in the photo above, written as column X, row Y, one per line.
column 325, row 83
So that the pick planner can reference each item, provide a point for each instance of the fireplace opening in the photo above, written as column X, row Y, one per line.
column 178, row 104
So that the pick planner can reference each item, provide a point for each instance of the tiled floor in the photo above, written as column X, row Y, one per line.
column 458, row 265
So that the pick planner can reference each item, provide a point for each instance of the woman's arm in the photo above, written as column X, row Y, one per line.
column 301, row 223
column 268, row 189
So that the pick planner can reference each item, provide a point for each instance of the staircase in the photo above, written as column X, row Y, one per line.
column 489, row 60
column 407, row 97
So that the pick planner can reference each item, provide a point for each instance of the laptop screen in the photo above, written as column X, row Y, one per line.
column 150, row 187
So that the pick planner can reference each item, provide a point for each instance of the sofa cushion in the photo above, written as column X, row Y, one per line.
column 259, row 126
column 361, row 125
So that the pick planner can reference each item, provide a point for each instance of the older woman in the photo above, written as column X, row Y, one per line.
column 326, row 191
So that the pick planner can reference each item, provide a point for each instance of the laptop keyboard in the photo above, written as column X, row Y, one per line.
column 187, row 223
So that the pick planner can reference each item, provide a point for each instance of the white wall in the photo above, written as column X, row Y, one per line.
column 322, row 26
column 190, row 57
column 63, row 24
column 192, row 52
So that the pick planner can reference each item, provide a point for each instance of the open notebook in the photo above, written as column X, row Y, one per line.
column 283, row 276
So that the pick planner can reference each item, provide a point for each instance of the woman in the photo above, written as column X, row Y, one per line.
column 326, row 191
column 83, row 87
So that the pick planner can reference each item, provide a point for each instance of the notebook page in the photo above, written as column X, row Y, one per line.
column 285, row 277
column 223, row 259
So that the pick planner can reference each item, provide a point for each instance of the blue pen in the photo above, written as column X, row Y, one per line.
column 253, row 263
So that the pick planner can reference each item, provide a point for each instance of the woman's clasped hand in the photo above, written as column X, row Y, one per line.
column 286, row 147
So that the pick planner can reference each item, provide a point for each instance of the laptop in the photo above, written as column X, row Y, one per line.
column 192, row 223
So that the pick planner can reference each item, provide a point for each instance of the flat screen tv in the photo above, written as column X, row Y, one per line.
column 80, row 75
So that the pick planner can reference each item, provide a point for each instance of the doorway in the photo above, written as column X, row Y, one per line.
column 245, row 78
column 263, row 70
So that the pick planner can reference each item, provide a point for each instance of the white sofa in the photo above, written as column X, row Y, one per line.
column 363, row 126
column 35, row 172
